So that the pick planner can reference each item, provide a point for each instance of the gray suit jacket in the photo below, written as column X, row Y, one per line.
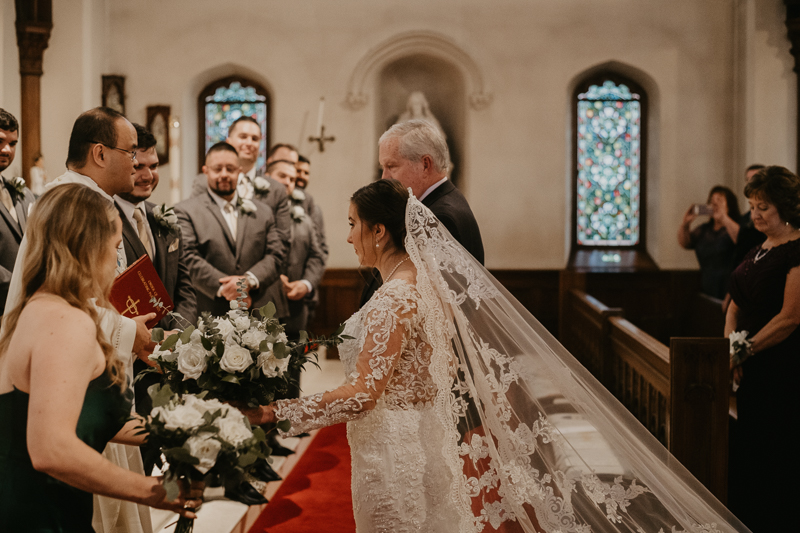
column 11, row 233
column 169, row 264
column 306, row 261
column 276, row 198
column 211, row 252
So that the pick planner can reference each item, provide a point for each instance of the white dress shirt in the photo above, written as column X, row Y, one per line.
column 232, row 219
column 432, row 188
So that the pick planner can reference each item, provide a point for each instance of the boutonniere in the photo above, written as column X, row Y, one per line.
column 260, row 185
column 246, row 207
column 18, row 187
column 166, row 218
column 298, row 195
column 297, row 212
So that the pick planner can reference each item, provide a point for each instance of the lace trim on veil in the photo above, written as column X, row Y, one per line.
column 502, row 381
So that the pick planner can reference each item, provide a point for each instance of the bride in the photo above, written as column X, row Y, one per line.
column 465, row 415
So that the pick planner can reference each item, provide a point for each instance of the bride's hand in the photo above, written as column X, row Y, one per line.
column 264, row 414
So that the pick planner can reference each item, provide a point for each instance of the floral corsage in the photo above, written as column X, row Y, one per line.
column 741, row 347
column 246, row 207
column 260, row 185
column 166, row 218
column 18, row 186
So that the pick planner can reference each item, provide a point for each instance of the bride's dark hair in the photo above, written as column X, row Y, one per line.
column 383, row 202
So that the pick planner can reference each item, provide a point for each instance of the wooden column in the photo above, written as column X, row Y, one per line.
column 34, row 22
column 793, row 30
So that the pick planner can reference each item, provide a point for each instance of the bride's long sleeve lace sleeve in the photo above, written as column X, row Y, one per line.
column 385, row 334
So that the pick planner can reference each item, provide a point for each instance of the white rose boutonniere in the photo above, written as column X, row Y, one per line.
column 298, row 195
column 298, row 213
column 246, row 207
column 260, row 185
column 166, row 219
column 18, row 187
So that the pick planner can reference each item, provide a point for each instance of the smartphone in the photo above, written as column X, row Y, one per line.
column 703, row 209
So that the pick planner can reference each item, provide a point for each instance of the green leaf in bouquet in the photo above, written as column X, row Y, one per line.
column 284, row 425
column 220, row 349
column 259, row 434
column 187, row 335
column 268, row 311
column 180, row 454
column 230, row 378
column 279, row 349
column 206, row 343
column 339, row 330
column 172, row 487
column 160, row 394
column 264, row 346
column 157, row 334
column 303, row 337
column 170, row 342
column 248, row 458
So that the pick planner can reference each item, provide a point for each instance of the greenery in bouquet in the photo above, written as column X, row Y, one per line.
column 201, row 438
column 244, row 358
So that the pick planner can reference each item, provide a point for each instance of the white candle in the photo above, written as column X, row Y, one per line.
column 175, row 159
column 319, row 116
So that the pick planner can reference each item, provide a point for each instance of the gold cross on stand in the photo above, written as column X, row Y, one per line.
column 321, row 140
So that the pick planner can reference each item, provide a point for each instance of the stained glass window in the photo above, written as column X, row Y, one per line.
column 228, row 102
column 609, row 152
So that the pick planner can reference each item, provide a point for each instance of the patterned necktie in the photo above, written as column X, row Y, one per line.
column 7, row 201
column 230, row 217
column 142, row 229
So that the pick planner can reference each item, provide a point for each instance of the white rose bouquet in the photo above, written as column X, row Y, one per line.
column 240, row 357
column 201, row 438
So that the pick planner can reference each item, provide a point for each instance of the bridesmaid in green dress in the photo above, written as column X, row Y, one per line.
column 63, row 390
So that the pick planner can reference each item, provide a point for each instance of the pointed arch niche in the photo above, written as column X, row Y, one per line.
column 424, row 62
column 610, row 115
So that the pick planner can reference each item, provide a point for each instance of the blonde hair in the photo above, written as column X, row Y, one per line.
column 68, row 234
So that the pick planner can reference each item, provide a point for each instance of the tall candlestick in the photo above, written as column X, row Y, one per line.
column 175, row 160
column 319, row 115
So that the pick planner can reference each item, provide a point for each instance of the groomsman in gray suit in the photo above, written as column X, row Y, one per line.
column 15, row 200
column 229, row 238
column 245, row 136
column 306, row 258
column 145, row 234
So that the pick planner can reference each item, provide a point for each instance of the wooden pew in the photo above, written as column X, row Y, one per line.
column 680, row 393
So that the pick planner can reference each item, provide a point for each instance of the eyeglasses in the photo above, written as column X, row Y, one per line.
column 129, row 152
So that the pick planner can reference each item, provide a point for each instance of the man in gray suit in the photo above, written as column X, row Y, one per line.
column 229, row 238
column 306, row 259
column 15, row 200
column 245, row 136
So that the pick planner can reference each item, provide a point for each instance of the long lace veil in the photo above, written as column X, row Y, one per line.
column 534, row 442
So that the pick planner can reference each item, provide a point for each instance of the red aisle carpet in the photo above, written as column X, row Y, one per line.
column 316, row 495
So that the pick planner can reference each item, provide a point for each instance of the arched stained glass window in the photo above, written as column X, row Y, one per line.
column 225, row 100
column 609, row 150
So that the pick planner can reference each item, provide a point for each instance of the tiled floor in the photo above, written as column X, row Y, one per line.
column 223, row 516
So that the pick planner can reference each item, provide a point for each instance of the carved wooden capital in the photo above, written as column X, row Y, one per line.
column 793, row 29
column 32, row 40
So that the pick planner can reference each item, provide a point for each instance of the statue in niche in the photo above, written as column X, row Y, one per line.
column 418, row 107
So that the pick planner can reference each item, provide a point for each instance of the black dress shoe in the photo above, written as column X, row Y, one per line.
column 246, row 494
column 264, row 472
column 280, row 451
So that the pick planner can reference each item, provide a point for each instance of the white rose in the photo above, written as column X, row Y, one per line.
column 298, row 212
column 260, row 184
column 298, row 195
column 271, row 366
column 181, row 417
column 196, row 337
column 201, row 326
column 164, row 355
column 205, row 448
column 242, row 323
column 252, row 339
column 235, row 358
column 191, row 360
column 225, row 327
column 738, row 337
column 214, row 405
column 233, row 430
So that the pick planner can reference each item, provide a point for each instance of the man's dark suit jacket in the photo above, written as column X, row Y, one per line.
column 276, row 198
column 212, row 253
column 453, row 211
column 174, row 274
column 10, row 236
column 169, row 263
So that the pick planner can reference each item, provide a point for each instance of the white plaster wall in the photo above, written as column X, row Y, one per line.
column 9, row 76
column 704, row 122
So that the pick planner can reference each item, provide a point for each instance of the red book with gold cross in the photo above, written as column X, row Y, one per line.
column 133, row 291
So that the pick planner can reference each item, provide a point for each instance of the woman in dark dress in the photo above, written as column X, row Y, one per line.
column 63, row 390
column 765, row 291
column 714, row 242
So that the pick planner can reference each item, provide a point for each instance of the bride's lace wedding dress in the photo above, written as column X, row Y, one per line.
column 464, row 414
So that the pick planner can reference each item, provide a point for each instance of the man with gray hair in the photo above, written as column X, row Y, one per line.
column 415, row 154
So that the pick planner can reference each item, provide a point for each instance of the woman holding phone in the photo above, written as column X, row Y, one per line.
column 714, row 241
